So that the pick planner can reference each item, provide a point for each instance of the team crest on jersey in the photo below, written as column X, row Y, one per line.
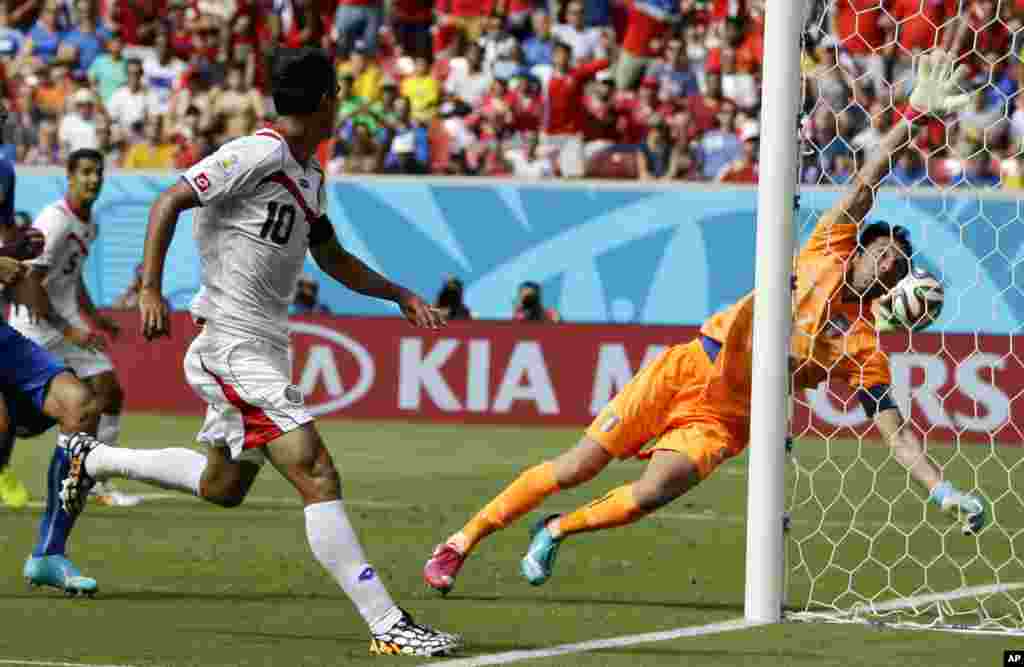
column 294, row 395
column 228, row 164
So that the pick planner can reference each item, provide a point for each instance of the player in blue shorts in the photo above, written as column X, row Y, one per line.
column 38, row 393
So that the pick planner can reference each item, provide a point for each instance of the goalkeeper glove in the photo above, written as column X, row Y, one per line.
column 937, row 87
column 972, row 509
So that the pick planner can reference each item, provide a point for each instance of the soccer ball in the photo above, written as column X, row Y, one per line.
column 917, row 300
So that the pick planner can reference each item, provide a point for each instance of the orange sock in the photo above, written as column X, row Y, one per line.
column 518, row 498
column 617, row 508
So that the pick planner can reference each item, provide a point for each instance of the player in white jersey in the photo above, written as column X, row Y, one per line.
column 69, row 230
column 261, row 207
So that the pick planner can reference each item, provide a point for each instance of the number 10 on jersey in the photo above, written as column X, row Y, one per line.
column 279, row 223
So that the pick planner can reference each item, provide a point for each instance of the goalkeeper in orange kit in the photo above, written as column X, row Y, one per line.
column 694, row 398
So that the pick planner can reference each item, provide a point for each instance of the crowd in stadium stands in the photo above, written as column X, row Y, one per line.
column 523, row 88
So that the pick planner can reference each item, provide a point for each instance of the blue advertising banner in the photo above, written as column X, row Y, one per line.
column 603, row 252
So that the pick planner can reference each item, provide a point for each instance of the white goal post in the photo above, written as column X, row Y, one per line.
column 839, row 532
column 780, row 104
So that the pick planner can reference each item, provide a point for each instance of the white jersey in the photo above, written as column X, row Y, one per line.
column 253, row 233
column 68, row 239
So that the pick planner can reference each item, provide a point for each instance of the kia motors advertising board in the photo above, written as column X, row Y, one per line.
column 951, row 385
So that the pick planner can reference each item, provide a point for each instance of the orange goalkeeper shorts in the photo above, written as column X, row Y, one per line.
column 668, row 400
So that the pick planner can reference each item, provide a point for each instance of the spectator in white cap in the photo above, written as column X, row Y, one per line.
column 78, row 127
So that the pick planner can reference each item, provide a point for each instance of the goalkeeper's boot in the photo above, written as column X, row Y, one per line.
column 75, row 487
column 539, row 560
column 972, row 509
column 58, row 572
column 407, row 637
column 12, row 492
column 105, row 493
column 443, row 566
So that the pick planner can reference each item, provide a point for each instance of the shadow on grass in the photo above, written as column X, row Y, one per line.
column 257, row 596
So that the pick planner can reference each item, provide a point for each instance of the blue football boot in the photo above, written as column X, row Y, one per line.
column 539, row 560
column 58, row 572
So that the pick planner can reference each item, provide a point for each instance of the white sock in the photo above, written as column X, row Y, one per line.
column 109, row 431
column 178, row 469
column 336, row 546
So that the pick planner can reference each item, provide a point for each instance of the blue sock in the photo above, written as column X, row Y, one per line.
column 941, row 491
column 55, row 526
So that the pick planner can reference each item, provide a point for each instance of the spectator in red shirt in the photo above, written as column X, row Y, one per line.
column 564, row 94
column 920, row 26
column 469, row 16
column 138, row 20
column 636, row 111
column 647, row 22
column 919, row 22
column 563, row 117
column 705, row 107
column 860, row 26
column 528, row 105
column 357, row 20
column 411, row 20
column 600, row 116
column 982, row 31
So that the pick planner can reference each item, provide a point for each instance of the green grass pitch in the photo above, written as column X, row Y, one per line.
column 188, row 584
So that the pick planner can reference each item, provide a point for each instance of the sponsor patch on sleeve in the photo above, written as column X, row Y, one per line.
column 228, row 164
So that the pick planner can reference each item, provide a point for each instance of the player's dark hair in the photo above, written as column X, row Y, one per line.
column 882, row 229
column 83, row 154
column 299, row 80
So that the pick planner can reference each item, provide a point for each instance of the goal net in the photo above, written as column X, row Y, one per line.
column 863, row 542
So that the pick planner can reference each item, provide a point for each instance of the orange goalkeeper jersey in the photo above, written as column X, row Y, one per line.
column 831, row 339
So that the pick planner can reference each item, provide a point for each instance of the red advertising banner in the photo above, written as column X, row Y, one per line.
column 511, row 372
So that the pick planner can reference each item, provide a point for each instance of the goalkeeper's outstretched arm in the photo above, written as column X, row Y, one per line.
column 907, row 448
column 909, row 451
column 937, row 91
column 860, row 195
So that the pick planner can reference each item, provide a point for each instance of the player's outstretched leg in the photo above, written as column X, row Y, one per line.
column 578, row 465
column 669, row 475
column 70, row 402
column 300, row 456
column 48, row 566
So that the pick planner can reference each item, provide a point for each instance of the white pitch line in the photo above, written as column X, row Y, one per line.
column 598, row 644
column 922, row 600
column 44, row 663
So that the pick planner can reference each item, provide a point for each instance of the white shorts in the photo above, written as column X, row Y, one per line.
column 247, row 387
column 85, row 363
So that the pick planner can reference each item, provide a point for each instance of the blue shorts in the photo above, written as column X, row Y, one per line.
column 26, row 370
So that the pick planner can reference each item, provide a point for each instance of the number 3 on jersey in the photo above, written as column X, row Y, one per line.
column 279, row 223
